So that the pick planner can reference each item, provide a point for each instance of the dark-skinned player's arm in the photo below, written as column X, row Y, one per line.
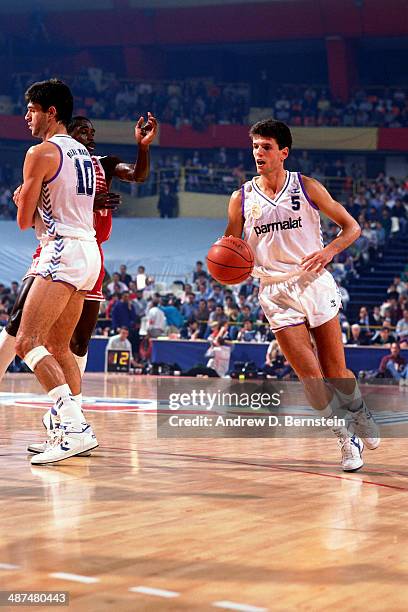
column 41, row 163
column 235, row 218
column 145, row 133
column 350, row 229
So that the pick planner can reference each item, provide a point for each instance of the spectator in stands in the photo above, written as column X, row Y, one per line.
column 383, row 337
column 191, row 331
column 216, row 293
column 141, row 278
column 364, row 319
column 199, row 272
column 201, row 315
column 401, row 329
column 203, row 291
column 156, row 320
column 218, row 315
column 246, row 333
column 247, row 288
column 124, row 277
column 124, row 313
column 358, row 336
column 116, row 285
column 220, row 355
column 188, row 307
column 167, row 202
column 140, row 304
column 120, row 341
column 394, row 357
column 276, row 365
column 174, row 318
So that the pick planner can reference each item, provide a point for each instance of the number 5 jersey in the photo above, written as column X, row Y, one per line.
column 280, row 231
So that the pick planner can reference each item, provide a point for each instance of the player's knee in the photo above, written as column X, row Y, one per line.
column 334, row 371
column 32, row 355
column 57, row 349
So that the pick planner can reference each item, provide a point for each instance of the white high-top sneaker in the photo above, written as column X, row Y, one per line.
column 351, row 453
column 364, row 426
column 51, row 423
column 67, row 443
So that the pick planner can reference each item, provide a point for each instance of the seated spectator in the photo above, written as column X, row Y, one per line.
column 191, row 331
column 394, row 363
column 120, row 341
column 246, row 333
column 116, row 285
column 358, row 336
column 188, row 307
column 275, row 362
column 383, row 337
column 247, row 288
column 401, row 329
column 218, row 315
column 220, row 355
column 174, row 318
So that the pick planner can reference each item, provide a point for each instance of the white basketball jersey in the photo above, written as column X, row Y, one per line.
column 281, row 231
column 66, row 202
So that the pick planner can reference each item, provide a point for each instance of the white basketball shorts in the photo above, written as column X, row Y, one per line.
column 310, row 298
column 70, row 260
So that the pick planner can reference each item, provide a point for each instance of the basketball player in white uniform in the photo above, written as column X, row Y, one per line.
column 278, row 214
column 59, row 185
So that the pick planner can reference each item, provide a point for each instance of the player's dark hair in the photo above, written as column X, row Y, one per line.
column 269, row 128
column 75, row 121
column 52, row 93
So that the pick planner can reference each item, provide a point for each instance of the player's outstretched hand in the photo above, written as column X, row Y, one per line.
column 145, row 133
column 316, row 262
column 107, row 201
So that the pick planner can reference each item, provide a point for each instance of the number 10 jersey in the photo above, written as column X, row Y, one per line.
column 280, row 231
column 66, row 201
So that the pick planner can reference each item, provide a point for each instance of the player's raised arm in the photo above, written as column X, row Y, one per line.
column 41, row 163
column 145, row 133
column 350, row 229
column 235, row 218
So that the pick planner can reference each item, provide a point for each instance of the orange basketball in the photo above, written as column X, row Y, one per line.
column 230, row 260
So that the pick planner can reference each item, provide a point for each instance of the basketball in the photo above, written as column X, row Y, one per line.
column 230, row 260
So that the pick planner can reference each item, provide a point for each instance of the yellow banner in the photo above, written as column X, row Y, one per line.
column 335, row 138
column 117, row 132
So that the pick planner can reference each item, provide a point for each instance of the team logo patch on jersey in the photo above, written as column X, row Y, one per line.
column 256, row 211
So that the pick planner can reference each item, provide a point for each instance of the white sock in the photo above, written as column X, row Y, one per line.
column 68, row 409
column 7, row 351
column 78, row 398
column 352, row 402
column 81, row 361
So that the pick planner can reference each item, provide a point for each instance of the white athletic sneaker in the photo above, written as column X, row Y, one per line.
column 365, row 427
column 41, row 447
column 51, row 423
column 67, row 443
column 351, row 453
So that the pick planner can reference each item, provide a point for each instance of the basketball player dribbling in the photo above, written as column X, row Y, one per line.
column 106, row 168
column 278, row 214
column 57, row 194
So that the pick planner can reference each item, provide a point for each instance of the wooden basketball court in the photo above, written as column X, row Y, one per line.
column 231, row 524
